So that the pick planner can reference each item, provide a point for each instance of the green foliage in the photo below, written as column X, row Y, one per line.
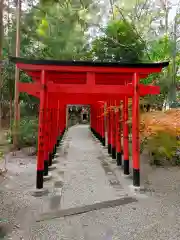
column 163, row 148
column 160, row 49
column 1, row 155
column 119, row 43
column 62, row 28
column 28, row 130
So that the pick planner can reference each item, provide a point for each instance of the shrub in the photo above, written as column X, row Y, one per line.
column 28, row 132
column 159, row 133
column 163, row 148
column 1, row 154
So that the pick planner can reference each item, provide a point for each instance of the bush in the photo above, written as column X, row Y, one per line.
column 163, row 148
column 28, row 132
column 160, row 133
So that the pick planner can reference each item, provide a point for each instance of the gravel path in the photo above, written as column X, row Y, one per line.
column 87, row 179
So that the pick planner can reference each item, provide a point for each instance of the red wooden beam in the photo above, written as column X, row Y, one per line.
column 34, row 89
column 85, row 98
column 80, row 78
column 103, row 69
column 80, row 98
column 148, row 89
column 96, row 89
column 116, row 92
column 34, row 73
column 115, row 78
column 30, row 88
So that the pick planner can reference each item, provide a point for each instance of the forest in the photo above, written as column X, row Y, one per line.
column 109, row 30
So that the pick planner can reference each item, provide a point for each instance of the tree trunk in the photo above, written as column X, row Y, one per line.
column 174, row 70
column 1, row 41
column 10, row 110
column 172, row 90
column 16, row 93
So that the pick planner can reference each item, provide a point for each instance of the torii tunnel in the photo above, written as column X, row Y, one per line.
column 100, row 85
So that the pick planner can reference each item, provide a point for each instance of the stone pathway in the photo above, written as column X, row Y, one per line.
column 86, row 181
column 89, row 198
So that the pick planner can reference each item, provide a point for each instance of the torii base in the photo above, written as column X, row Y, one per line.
column 109, row 148
column 119, row 158
column 39, row 192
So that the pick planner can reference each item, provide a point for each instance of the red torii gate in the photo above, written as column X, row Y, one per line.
column 58, row 83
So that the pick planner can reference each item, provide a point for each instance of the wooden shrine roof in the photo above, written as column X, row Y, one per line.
column 86, row 81
column 90, row 63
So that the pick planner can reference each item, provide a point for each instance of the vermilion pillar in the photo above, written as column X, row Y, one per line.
column 61, row 122
column 53, row 128
column 109, row 126
column 41, row 134
column 125, row 136
column 118, row 135
column 103, row 124
column 58, row 124
column 113, row 131
column 135, row 132
column 94, row 119
column 56, row 127
column 46, row 137
column 91, row 121
column 50, row 132
column 64, row 118
column 98, row 122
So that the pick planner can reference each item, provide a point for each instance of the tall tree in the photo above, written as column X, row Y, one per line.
column 63, row 27
column 119, row 43
column 16, row 93
column 1, row 47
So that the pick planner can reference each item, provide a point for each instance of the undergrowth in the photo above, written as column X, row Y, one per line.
column 28, row 132
column 160, row 133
